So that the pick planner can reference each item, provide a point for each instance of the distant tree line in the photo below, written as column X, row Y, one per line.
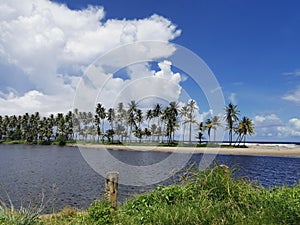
column 125, row 123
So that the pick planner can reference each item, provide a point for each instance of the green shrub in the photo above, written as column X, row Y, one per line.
column 100, row 212
column 61, row 140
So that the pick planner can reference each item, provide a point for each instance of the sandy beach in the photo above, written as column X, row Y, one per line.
column 251, row 150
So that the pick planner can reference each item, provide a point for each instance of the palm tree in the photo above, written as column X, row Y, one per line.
column 208, row 127
column 90, row 129
column 170, row 116
column 215, row 124
column 157, row 111
column 120, row 118
column 244, row 128
column 183, row 114
column 231, row 116
column 76, row 123
column 191, row 107
column 139, row 117
column 201, row 129
column 60, row 123
column 131, row 116
column 69, row 125
column 100, row 112
column 111, row 117
column 149, row 116
column 131, row 123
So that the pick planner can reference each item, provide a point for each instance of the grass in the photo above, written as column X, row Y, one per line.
column 212, row 196
column 28, row 215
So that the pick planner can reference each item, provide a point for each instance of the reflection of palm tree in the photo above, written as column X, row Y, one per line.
column 231, row 116
column 244, row 128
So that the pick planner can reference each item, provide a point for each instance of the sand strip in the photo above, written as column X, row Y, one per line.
column 251, row 150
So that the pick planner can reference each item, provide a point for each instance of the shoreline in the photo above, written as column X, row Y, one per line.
column 249, row 151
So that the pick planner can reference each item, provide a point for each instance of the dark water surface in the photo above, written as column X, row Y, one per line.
column 65, row 178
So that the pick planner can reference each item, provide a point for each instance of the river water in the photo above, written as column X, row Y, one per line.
column 60, row 175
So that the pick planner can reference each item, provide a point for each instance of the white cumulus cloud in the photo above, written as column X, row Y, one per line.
column 294, row 96
column 272, row 126
column 52, row 44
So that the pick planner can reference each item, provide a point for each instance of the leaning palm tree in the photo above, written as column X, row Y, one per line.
column 244, row 128
column 231, row 116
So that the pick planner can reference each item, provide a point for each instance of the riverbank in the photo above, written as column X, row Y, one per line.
column 212, row 196
column 252, row 150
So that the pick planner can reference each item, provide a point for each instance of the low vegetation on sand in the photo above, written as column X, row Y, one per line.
column 213, row 196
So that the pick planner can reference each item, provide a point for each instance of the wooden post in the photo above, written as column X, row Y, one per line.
column 111, row 189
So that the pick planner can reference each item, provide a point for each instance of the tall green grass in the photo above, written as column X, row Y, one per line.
column 212, row 196
column 9, row 215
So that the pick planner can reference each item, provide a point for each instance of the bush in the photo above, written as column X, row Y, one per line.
column 61, row 140
column 100, row 212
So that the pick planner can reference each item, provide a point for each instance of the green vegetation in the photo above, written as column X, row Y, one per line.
column 123, row 125
column 212, row 196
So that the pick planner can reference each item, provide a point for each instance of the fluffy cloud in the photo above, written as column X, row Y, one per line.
column 273, row 127
column 293, row 96
column 34, row 101
column 52, row 44
column 143, row 85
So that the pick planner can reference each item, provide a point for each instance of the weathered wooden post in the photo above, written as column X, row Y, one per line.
column 111, row 189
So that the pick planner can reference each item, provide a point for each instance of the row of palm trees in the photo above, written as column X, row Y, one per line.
column 33, row 128
column 126, row 123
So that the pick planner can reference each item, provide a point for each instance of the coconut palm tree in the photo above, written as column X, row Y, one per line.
column 215, row 124
column 120, row 118
column 244, row 128
column 191, row 107
column 131, row 116
column 208, row 127
column 149, row 116
column 111, row 117
column 100, row 112
column 183, row 112
column 201, row 129
column 170, row 117
column 157, row 111
column 231, row 116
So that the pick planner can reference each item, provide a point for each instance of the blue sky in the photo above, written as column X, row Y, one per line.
column 252, row 47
